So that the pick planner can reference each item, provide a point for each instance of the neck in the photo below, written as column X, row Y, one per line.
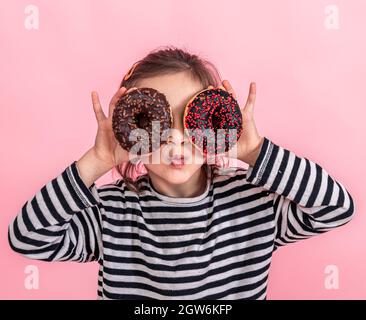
column 194, row 187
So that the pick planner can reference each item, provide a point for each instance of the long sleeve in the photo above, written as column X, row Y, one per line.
column 61, row 222
column 307, row 201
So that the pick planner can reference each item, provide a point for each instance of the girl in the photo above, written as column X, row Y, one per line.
column 182, row 230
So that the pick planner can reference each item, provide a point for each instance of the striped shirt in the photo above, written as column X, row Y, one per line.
column 217, row 245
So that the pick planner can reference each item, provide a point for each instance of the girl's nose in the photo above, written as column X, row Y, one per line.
column 178, row 146
column 176, row 140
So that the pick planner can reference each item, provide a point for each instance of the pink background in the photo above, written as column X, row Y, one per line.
column 310, row 99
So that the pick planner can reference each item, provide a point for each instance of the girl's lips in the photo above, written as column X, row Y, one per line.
column 177, row 161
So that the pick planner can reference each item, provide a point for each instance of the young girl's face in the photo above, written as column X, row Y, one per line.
column 178, row 89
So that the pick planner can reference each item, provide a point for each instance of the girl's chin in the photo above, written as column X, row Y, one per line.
column 178, row 174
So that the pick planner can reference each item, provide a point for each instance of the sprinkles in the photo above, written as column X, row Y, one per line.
column 213, row 120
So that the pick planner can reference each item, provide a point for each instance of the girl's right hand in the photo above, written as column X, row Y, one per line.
column 106, row 147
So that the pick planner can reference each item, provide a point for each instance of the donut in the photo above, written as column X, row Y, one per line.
column 137, row 109
column 213, row 109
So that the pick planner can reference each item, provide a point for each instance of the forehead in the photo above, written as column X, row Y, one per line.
column 178, row 87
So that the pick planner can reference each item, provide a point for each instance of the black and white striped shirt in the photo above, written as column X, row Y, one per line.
column 217, row 245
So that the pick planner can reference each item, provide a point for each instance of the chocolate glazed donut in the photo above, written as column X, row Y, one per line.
column 137, row 109
column 213, row 109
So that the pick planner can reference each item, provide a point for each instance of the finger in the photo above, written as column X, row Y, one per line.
column 133, row 88
column 249, row 105
column 115, row 98
column 98, row 111
column 252, row 94
column 229, row 88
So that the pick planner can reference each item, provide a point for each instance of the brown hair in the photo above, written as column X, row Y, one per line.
column 166, row 60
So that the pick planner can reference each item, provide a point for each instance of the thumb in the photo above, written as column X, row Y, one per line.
column 99, row 114
column 248, row 110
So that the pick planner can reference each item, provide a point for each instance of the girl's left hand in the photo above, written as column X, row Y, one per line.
column 250, row 142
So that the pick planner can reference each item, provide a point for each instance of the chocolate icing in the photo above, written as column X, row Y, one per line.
column 137, row 109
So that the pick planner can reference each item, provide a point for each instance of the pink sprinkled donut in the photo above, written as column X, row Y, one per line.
column 213, row 109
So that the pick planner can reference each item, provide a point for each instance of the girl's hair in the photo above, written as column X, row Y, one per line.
column 167, row 60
